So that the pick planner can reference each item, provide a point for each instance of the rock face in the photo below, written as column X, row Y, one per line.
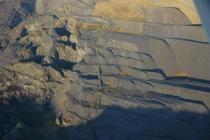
column 13, row 12
column 105, row 70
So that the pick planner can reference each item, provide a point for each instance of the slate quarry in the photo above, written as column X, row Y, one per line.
column 103, row 70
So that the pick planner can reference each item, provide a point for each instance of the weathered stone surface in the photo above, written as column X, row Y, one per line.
column 12, row 12
column 191, row 57
column 72, row 7
column 106, row 70
column 114, row 9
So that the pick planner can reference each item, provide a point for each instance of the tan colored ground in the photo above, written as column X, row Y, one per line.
column 129, row 9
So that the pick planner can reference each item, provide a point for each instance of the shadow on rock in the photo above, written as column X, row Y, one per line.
column 25, row 118
column 116, row 123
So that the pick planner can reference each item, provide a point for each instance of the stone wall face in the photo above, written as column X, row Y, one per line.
column 105, row 69
column 163, row 20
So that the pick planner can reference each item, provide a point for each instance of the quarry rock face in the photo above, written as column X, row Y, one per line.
column 104, row 70
column 12, row 13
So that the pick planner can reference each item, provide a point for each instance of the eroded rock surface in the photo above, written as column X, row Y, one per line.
column 106, row 70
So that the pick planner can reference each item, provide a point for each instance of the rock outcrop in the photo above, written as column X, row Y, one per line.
column 106, row 69
column 12, row 13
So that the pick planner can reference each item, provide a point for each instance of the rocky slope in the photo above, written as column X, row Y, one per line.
column 104, row 69
column 13, row 12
